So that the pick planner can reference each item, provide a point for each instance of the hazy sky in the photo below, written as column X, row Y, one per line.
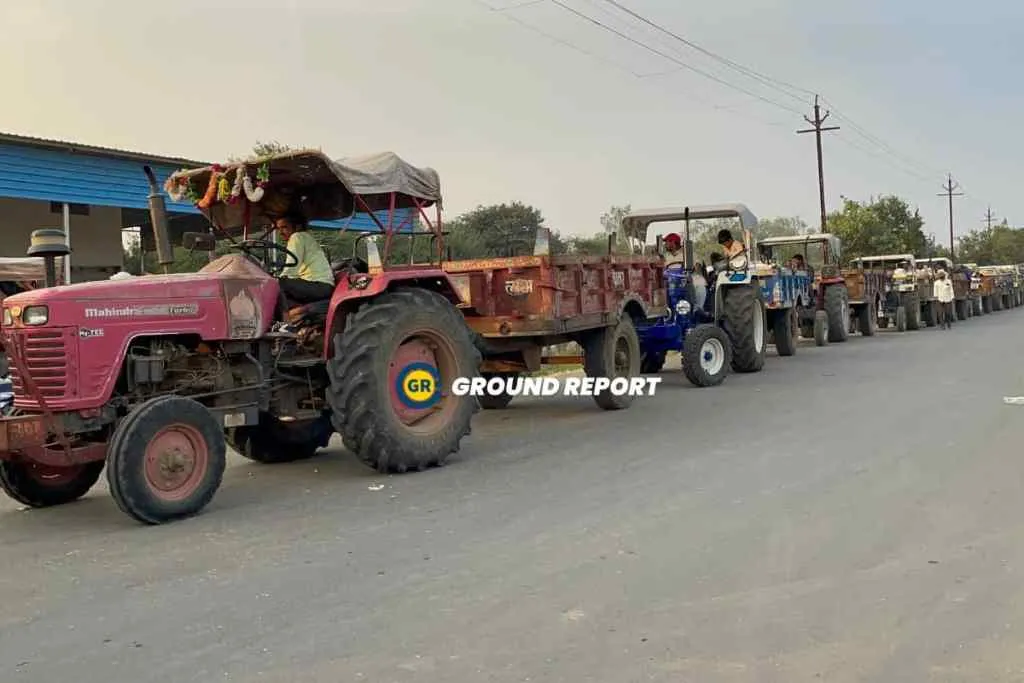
column 504, row 113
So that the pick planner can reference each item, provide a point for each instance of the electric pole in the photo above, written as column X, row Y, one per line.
column 817, row 130
column 950, row 192
column 989, row 217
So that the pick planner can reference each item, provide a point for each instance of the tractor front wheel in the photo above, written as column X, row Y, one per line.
column 166, row 459
column 272, row 442
column 744, row 322
column 707, row 355
column 41, row 486
column 497, row 401
column 652, row 363
column 866, row 320
column 821, row 328
column 391, row 376
column 612, row 352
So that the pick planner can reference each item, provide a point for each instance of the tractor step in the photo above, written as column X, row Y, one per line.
column 302, row 361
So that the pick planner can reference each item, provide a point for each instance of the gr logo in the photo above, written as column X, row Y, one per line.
column 418, row 385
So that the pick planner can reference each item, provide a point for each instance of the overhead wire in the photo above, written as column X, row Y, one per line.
column 889, row 154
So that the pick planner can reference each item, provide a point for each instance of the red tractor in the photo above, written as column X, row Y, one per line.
column 154, row 376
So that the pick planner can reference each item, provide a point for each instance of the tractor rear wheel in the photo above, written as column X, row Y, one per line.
column 901, row 318
column 961, row 309
column 166, row 459
column 931, row 317
column 272, row 442
column 496, row 401
column 612, row 352
column 784, row 329
column 986, row 305
column 404, row 339
column 837, row 306
column 652, row 363
column 707, row 354
column 912, row 305
column 821, row 328
column 866, row 320
column 744, row 321
column 41, row 486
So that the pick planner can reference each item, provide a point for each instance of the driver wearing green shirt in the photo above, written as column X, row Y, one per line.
column 311, row 279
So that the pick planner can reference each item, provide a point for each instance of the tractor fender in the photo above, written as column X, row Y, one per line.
column 634, row 306
column 348, row 296
column 727, row 279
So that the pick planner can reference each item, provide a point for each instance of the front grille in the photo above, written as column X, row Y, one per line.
column 45, row 353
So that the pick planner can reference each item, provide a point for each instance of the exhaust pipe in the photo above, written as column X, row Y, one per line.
column 158, row 217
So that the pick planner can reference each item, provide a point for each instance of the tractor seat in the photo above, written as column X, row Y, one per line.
column 342, row 266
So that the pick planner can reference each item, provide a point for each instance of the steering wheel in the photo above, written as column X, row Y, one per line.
column 271, row 266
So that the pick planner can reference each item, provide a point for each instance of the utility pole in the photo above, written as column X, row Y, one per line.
column 989, row 217
column 950, row 192
column 817, row 130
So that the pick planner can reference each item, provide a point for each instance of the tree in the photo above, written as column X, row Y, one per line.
column 881, row 226
column 499, row 230
column 997, row 245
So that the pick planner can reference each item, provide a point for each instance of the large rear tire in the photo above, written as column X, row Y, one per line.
column 837, row 306
column 962, row 311
column 901, row 318
column 867, row 320
column 273, row 442
column 821, row 328
column 387, row 339
column 785, row 330
column 166, row 459
column 41, row 486
column 707, row 354
column 743, row 318
column 612, row 352
column 912, row 306
column 931, row 317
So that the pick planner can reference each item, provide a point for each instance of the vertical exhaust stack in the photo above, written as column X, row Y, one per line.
column 158, row 217
column 49, row 243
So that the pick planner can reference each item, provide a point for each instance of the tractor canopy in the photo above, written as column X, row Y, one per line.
column 255, row 192
column 636, row 223
column 886, row 261
column 818, row 249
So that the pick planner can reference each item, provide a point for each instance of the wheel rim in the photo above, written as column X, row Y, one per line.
column 429, row 350
column 712, row 356
column 758, row 326
column 177, row 458
column 620, row 362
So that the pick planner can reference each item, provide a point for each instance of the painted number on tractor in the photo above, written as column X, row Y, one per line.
column 519, row 287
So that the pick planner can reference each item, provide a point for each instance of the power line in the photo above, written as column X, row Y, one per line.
column 779, row 85
column 585, row 17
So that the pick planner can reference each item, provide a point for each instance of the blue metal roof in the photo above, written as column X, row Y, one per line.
column 59, row 172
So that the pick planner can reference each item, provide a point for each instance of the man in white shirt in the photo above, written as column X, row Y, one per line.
column 942, row 289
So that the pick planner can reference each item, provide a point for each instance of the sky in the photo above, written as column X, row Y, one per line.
column 533, row 102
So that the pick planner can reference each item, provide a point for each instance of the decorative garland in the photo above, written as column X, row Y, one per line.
column 216, row 173
column 220, row 188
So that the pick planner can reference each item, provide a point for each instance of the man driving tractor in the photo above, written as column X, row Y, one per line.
column 311, row 279
column 731, row 246
column 674, row 249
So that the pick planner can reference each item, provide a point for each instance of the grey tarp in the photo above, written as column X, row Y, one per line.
column 387, row 172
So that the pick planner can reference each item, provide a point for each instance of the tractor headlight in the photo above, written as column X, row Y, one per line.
column 35, row 315
column 683, row 308
column 8, row 318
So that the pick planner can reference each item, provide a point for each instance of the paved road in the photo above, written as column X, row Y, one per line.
column 851, row 514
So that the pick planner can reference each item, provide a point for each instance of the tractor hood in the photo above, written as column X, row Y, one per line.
column 205, row 284
column 230, row 298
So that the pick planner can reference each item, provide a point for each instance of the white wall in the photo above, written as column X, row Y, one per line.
column 95, row 239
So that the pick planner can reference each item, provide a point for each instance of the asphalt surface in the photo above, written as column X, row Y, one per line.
column 853, row 513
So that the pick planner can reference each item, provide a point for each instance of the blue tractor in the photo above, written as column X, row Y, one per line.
column 715, row 321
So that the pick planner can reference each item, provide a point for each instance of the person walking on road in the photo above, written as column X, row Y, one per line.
column 943, row 291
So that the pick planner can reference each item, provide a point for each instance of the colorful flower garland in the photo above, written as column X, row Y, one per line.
column 220, row 189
